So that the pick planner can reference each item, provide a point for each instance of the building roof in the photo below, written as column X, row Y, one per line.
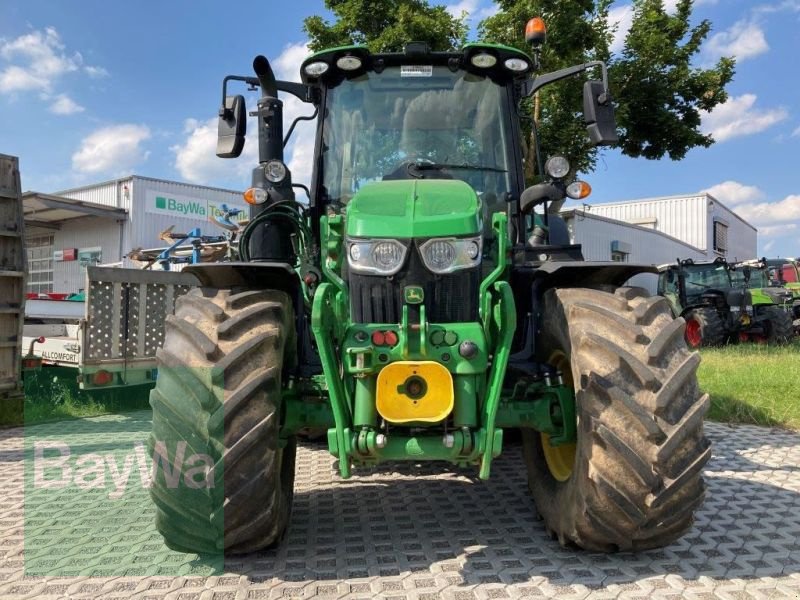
column 142, row 177
column 50, row 211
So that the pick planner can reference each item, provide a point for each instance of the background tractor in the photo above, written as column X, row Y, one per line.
column 785, row 272
column 722, row 302
column 423, row 302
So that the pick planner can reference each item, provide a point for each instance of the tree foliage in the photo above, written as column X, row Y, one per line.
column 386, row 25
column 658, row 89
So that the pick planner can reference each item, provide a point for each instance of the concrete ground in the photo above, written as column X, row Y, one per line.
column 399, row 532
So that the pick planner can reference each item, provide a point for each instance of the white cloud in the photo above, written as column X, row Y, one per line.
column 17, row 79
column 464, row 6
column 114, row 149
column 620, row 18
column 196, row 159
column 64, row 105
column 772, row 213
column 777, row 230
column 744, row 39
column 38, row 59
column 287, row 65
column 95, row 72
column 796, row 132
column 734, row 193
column 739, row 117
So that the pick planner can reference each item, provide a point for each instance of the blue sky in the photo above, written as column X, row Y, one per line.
column 91, row 90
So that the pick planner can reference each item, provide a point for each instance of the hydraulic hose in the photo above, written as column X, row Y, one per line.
column 286, row 210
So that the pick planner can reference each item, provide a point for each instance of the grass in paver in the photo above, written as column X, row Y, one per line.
column 87, row 505
column 52, row 394
column 753, row 383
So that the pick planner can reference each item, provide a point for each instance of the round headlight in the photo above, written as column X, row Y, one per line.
column 473, row 249
column 516, row 64
column 355, row 252
column 483, row 60
column 348, row 63
column 387, row 256
column 557, row 167
column 316, row 68
column 440, row 255
column 275, row 171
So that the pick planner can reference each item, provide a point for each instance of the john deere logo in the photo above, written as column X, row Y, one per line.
column 413, row 294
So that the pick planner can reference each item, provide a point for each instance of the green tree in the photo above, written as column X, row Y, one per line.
column 659, row 94
column 386, row 25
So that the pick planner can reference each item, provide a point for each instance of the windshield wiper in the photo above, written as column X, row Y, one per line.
column 426, row 166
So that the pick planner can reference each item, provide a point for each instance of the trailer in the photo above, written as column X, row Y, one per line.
column 112, row 346
column 12, row 290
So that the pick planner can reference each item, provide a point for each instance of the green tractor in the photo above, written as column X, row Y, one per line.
column 785, row 273
column 420, row 305
column 722, row 302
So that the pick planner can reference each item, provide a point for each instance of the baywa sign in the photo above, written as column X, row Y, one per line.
column 175, row 205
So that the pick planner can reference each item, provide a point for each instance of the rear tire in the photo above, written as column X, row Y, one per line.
column 219, row 393
column 704, row 327
column 780, row 328
column 634, row 479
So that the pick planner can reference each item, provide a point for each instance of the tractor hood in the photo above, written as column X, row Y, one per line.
column 771, row 295
column 414, row 208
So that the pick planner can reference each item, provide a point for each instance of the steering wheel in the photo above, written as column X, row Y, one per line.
column 404, row 168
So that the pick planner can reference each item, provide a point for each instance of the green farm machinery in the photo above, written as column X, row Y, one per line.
column 723, row 302
column 785, row 273
column 420, row 305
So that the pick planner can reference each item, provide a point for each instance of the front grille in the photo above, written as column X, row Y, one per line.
column 448, row 298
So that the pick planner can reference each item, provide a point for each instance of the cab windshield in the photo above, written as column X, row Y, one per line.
column 424, row 122
column 759, row 278
column 702, row 277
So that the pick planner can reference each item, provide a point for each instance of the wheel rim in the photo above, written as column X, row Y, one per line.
column 693, row 335
column 560, row 459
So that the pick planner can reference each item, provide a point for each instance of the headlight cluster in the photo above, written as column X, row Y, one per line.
column 380, row 257
column 445, row 255
column 440, row 255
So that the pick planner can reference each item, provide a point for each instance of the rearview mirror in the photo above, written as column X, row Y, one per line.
column 746, row 272
column 231, row 127
column 598, row 113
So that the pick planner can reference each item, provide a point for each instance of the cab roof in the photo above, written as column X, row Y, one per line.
column 416, row 53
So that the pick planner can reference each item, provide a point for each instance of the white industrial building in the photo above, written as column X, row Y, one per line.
column 661, row 230
column 102, row 223
column 699, row 220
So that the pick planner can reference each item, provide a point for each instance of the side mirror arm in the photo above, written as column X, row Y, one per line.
column 532, row 86
column 305, row 93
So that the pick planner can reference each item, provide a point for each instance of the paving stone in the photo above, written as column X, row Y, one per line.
column 400, row 531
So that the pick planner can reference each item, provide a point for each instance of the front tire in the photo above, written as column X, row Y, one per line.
column 632, row 480
column 219, row 394
column 780, row 328
column 704, row 327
